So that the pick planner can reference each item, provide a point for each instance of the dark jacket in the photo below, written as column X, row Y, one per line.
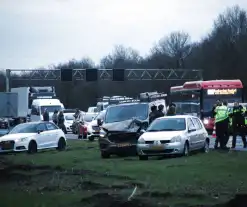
column 160, row 114
column 237, row 116
column 60, row 119
column 152, row 116
column 46, row 116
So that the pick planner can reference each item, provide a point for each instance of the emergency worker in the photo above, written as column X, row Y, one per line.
column 153, row 114
column 221, row 123
column 160, row 112
column 238, row 124
column 218, row 103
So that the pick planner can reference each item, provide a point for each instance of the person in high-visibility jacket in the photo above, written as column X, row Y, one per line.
column 238, row 124
column 218, row 103
column 221, row 123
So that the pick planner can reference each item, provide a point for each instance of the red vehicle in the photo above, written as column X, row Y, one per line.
column 206, row 93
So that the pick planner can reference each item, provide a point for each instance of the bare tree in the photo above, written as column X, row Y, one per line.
column 121, row 57
column 177, row 46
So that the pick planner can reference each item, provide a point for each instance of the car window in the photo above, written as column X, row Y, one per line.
column 196, row 123
column 190, row 124
column 51, row 126
column 167, row 124
column 41, row 127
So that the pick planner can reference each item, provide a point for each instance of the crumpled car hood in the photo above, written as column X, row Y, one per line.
column 123, row 126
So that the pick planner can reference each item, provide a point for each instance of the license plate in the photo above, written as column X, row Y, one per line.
column 124, row 145
column 157, row 147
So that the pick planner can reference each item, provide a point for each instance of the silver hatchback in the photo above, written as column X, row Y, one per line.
column 175, row 135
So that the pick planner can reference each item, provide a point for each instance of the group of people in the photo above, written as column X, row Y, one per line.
column 158, row 112
column 226, row 121
column 57, row 118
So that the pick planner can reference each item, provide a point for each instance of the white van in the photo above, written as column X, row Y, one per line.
column 39, row 105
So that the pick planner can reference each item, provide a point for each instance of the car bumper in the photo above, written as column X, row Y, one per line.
column 93, row 134
column 117, row 148
column 162, row 149
column 14, row 147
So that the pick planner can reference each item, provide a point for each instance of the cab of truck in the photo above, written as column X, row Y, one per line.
column 39, row 105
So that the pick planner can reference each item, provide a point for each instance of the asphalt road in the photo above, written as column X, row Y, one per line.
column 239, row 144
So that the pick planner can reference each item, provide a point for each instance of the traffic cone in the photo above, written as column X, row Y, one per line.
column 214, row 132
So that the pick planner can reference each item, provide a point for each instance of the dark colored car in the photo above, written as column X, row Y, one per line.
column 122, row 128
column 4, row 127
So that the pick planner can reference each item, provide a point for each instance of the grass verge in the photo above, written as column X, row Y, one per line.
column 79, row 177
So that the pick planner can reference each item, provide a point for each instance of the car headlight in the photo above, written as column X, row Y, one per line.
column 102, row 134
column 176, row 139
column 141, row 141
column 205, row 121
column 21, row 139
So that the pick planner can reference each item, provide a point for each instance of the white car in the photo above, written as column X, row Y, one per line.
column 33, row 136
column 68, row 121
column 177, row 135
column 93, row 130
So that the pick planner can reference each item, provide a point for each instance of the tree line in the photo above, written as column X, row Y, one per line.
column 221, row 54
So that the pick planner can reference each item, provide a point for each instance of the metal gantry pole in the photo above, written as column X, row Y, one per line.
column 7, row 80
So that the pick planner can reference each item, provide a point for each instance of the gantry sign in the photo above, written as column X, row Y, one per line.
column 105, row 74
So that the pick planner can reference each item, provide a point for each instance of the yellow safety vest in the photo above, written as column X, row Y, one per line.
column 221, row 113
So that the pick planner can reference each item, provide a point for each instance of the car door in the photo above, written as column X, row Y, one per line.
column 42, row 137
column 192, row 135
column 53, row 133
column 199, row 142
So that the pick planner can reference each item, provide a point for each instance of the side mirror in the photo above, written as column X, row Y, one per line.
column 142, row 131
column 192, row 129
column 39, row 131
column 99, row 122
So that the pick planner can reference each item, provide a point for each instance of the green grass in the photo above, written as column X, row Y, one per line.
column 79, row 173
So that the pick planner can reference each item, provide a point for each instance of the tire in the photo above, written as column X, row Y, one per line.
column 32, row 147
column 205, row 149
column 143, row 157
column 186, row 151
column 61, row 145
column 105, row 155
column 91, row 139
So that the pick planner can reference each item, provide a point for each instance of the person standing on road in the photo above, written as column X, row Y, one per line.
column 221, row 123
column 218, row 103
column 160, row 112
column 61, row 122
column 171, row 110
column 55, row 117
column 46, row 115
column 238, row 124
column 153, row 114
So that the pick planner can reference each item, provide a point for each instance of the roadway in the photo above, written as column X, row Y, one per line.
column 239, row 145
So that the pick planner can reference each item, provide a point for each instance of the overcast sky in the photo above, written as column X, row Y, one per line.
column 35, row 33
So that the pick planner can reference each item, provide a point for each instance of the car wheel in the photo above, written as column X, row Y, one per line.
column 186, row 151
column 91, row 138
column 32, row 147
column 206, row 146
column 61, row 145
column 105, row 155
column 143, row 157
